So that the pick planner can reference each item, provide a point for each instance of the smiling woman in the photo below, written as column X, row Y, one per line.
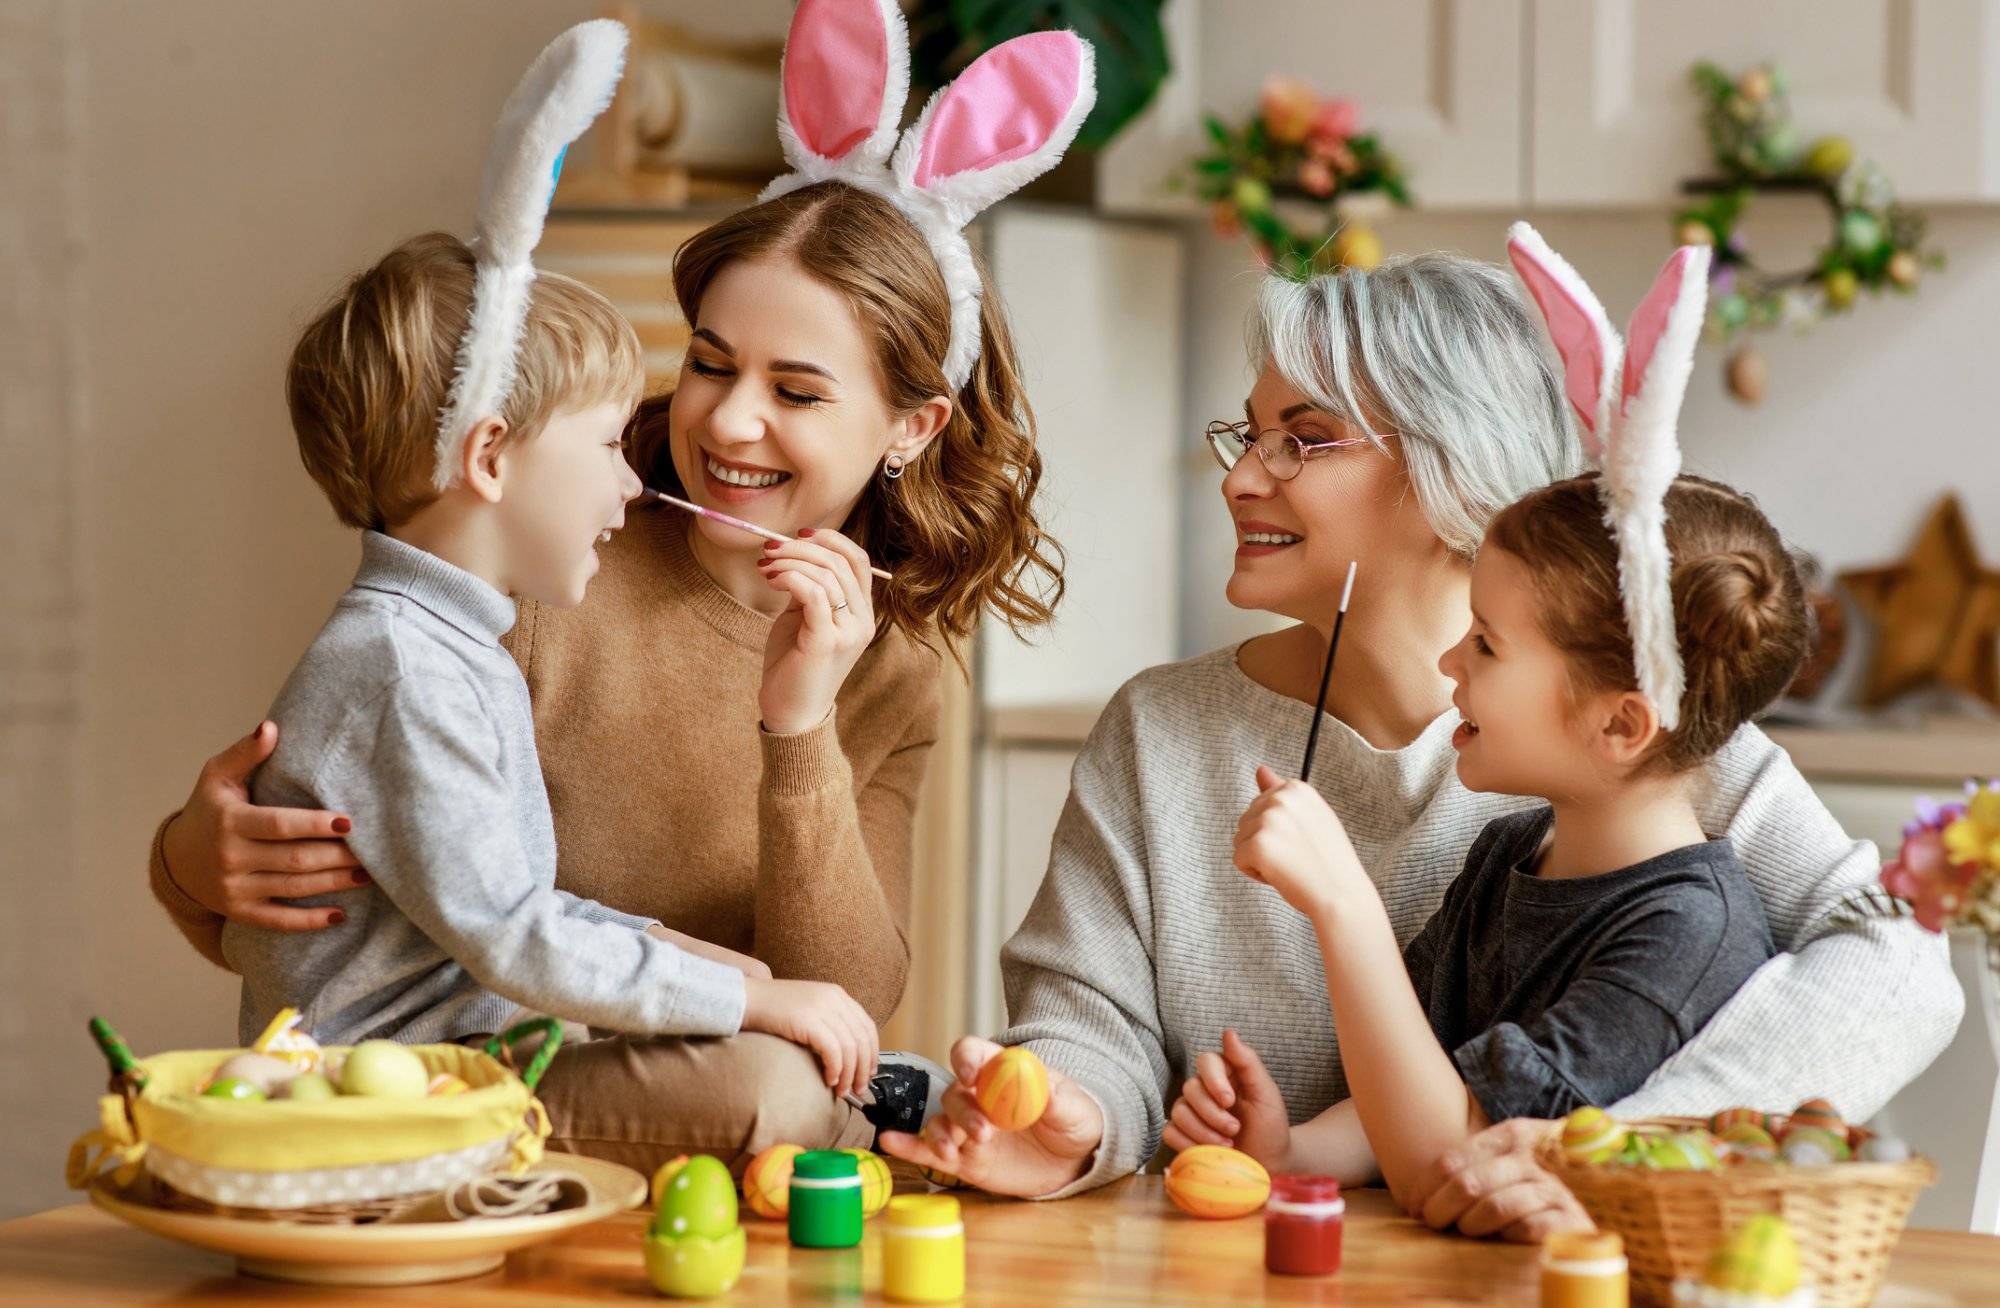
column 733, row 731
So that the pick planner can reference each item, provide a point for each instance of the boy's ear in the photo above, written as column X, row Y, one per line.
column 1630, row 727
column 919, row 428
column 479, row 459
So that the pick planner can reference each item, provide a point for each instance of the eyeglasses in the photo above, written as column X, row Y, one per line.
column 1282, row 452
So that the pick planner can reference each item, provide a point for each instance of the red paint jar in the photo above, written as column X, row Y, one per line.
column 1302, row 1223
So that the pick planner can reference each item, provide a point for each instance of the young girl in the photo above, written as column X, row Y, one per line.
column 1611, row 652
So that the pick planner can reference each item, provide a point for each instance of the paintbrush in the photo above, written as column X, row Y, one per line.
column 1326, row 676
column 737, row 523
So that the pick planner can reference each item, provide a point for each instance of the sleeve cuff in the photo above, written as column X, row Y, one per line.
column 1116, row 1155
column 592, row 911
column 805, row 763
column 708, row 1000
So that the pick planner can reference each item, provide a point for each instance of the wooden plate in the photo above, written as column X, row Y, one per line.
column 398, row 1254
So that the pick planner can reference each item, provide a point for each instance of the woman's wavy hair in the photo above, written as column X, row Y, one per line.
column 958, row 528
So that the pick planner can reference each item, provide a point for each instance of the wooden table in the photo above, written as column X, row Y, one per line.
column 1123, row 1244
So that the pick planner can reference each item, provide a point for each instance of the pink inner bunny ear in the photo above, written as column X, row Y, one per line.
column 1574, row 326
column 1005, row 106
column 1650, row 319
column 836, row 72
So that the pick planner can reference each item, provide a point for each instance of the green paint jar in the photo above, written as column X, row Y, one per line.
column 826, row 1200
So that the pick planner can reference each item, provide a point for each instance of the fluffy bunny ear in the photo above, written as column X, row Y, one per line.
column 1641, row 460
column 846, row 75
column 564, row 90
column 1579, row 327
column 1004, row 122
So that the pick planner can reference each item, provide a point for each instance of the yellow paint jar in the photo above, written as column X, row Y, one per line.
column 923, row 1249
column 1584, row 1271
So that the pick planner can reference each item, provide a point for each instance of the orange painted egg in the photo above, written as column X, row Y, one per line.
column 1728, row 1117
column 767, row 1182
column 1215, row 1182
column 1013, row 1089
column 1816, row 1113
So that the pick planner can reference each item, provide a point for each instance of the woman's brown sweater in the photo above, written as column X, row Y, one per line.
column 671, row 802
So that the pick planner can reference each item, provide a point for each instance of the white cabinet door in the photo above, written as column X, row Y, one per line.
column 1440, row 80
column 1615, row 120
column 1023, row 792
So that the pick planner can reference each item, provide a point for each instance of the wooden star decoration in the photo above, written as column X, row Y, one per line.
column 1936, row 614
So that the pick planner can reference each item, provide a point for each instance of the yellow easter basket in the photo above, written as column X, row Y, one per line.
column 1846, row 1218
column 326, row 1159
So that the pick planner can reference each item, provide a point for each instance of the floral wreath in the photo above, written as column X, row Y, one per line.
column 1310, row 152
column 1877, row 242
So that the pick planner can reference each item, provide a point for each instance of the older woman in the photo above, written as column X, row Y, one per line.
column 1395, row 411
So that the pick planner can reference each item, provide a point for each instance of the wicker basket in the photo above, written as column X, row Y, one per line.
column 1846, row 1217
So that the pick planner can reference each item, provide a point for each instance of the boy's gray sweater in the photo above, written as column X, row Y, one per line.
column 408, row 716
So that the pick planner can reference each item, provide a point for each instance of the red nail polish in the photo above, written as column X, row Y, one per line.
column 341, row 826
column 807, row 532
column 335, row 918
column 770, row 544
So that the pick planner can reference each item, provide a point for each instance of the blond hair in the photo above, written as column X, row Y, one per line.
column 958, row 528
column 369, row 377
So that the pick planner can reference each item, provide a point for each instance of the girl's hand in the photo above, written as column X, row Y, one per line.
column 822, row 1017
column 815, row 643
column 1290, row 840
column 963, row 1141
column 238, row 859
column 1232, row 1100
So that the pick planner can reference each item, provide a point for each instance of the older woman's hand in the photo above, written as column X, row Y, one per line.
column 962, row 1140
column 1492, row 1185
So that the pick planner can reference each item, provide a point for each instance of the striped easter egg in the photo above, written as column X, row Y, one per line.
column 1215, row 1182
column 1721, row 1123
column 1748, row 1142
column 942, row 1180
column 1815, row 1113
column 1591, row 1136
column 1013, row 1089
column 876, row 1183
column 767, row 1182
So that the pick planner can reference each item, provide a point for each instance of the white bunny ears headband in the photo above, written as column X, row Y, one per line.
column 564, row 90
column 1627, row 396
column 1004, row 122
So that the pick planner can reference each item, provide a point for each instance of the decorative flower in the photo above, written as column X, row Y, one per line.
column 1287, row 106
column 1333, row 122
column 1316, row 178
column 1222, row 217
column 1974, row 836
column 1927, row 878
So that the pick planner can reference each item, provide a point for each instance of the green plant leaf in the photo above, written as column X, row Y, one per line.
column 1130, row 45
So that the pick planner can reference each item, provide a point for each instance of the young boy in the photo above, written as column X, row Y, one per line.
column 407, row 714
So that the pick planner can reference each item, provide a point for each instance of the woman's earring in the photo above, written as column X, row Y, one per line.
column 892, row 467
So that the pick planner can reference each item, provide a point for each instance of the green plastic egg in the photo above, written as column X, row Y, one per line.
column 700, row 1199
column 230, row 1087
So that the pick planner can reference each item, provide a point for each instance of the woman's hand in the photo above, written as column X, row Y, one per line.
column 1232, row 1100
column 815, row 643
column 1492, row 1185
column 751, row 967
column 962, row 1141
column 1290, row 840
column 238, row 859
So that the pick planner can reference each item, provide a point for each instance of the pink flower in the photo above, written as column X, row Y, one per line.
column 1287, row 106
column 1335, row 120
column 1925, row 876
column 1315, row 178
column 1224, row 220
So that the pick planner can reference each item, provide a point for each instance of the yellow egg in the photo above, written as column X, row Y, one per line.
column 767, row 1182
column 1214, row 1182
column 1013, row 1089
column 1590, row 1136
column 876, row 1183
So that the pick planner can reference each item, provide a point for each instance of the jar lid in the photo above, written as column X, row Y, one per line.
column 1582, row 1246
column 825, row 1165
column 1297, row 1188
column 922, row 1211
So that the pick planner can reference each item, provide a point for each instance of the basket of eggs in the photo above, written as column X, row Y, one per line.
column 291, row 1131
column 1675, row 1188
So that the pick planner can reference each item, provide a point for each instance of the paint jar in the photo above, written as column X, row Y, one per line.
column 923, row 1250
column 826, row 1200
column 1580, row 1270
column 1302, row 1226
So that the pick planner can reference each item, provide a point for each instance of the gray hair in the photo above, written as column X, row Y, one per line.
column 1449, row 355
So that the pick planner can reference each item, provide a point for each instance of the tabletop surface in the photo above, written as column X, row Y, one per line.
column 1123, row 1244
